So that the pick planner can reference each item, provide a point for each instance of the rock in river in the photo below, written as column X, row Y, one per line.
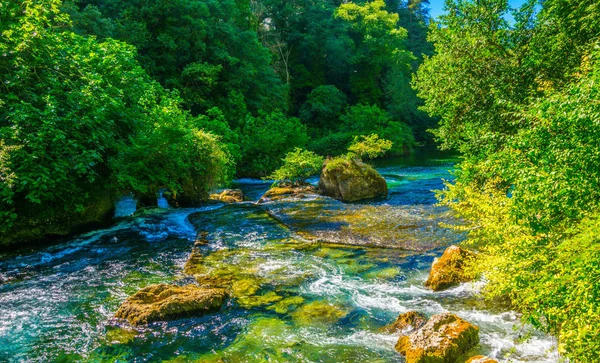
column 447, row 270
column 165, row 302
column 279, row 193
column 410, row 320
column 229, row 196
column 351, row 180
column 443, row 339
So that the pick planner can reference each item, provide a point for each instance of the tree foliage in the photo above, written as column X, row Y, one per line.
column 520, row 100
column 298, row 165
column 266, row 139
column 72, row 107
column 369, row 146
column 361, row 119
column 207, row 50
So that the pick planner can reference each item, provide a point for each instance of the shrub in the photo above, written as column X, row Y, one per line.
column 370, row 147
column 362, row 119
column 298, row 166
column 265, row 141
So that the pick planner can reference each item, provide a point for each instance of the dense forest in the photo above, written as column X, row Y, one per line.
column 102, row 98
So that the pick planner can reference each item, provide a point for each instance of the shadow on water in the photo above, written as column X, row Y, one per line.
column 315, row 280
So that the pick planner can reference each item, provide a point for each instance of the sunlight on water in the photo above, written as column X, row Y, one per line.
column 329, row 302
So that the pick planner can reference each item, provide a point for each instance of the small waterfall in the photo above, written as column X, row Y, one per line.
column 162, row 201
column 125, row 206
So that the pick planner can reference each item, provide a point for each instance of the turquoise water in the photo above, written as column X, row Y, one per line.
column 57, row 303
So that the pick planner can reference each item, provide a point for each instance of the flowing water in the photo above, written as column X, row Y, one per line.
column 322, row 278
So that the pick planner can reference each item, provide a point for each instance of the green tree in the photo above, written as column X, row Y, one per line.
column 266, row 139
column 361, row 119
column 380, row 50
column 207, row 50
column 298, row 165
column 322, row 110
column 369, row 146
column 521, row 102
column 71, row 107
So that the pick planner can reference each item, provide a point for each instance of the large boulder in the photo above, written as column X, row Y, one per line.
column 165, row 302
column 229, row 196
column 448, row 270
column 351, row 180
column 444, row 339
column 411, row 320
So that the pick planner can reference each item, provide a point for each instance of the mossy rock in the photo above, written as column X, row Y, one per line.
column 165, row 302
column 254, row 301
column 318, row 312
column 354, row 266
column 333, row 253
column 481, row 359
column 448, row 270
column 279, row 193
column 264, row 340
column 228, row 196
column 411, row 320
column 245, row 287
column 287, row 305
column 35, row 224
column 120, row 335
column 389, row 273
column 351, row 180
column 445, row 338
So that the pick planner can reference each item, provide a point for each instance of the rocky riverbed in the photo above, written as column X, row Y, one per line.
column 308, row 279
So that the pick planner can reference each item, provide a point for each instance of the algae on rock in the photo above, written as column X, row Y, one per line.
column 165, row 302
column 448, row 270
column 443, row 339
column 319, row 312
column 350, row 180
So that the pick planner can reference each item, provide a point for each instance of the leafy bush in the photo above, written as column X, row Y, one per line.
column 214, row 121
column 171, row 153
column 370, row 146
column 265, row 141
column 363, row 119
column 298, row 166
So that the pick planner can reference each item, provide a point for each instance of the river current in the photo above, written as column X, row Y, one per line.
column 57, row 302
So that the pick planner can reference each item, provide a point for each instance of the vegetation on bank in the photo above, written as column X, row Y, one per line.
column 103, row 97
column 521, row 102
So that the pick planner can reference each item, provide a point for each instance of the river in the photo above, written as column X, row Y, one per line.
column 57, row 302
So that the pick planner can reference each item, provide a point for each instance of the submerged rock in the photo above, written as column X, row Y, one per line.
column 447, row 270
column 327, row 220
column 288, row 304
column 229, row 196
column 278, row 193
column 201, row 239
column 165, row 302
column 351, row 180
column 443, row 339
column 411, row 320
column 318, row 312
column 481, row 359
